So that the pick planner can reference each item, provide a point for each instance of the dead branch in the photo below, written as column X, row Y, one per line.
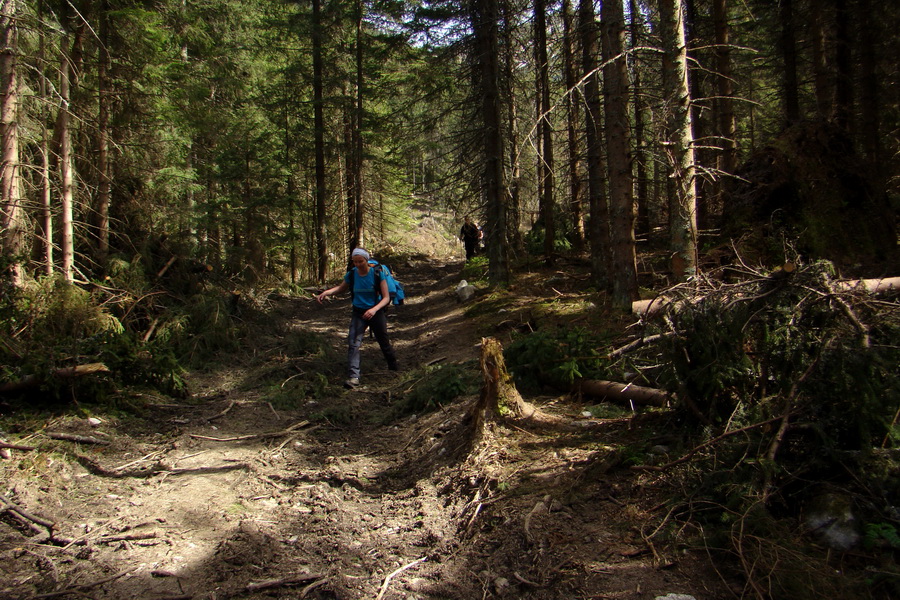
column 22, row 513
column 223, row 413
column 541, row 506
column 83, row 587
column 705, row 445
column 159, row 468
column 34, row 381
column 71, row 437
column 640, row 342
column 253, row 436
column 387, row 580
column 16, row 446
column 279, row 583
column 871, row 286
column 623, row 392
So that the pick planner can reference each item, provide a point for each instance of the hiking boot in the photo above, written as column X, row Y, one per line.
column 351, row 383
column 393, row 366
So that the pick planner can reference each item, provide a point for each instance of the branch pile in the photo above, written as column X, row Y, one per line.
column 811, row 357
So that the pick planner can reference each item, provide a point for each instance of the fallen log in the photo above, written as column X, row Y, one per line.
column 623, row 392
column 872, row 286
column 34, row 381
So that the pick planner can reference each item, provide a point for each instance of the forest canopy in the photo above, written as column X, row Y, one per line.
column 266, row 139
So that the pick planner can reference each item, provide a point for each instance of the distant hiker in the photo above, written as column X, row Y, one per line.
column 470, row 234
column 368, row 311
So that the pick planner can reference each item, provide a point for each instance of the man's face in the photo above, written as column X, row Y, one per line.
column 359, row 261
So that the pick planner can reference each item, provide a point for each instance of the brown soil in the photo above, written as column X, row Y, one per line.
column 364, row 508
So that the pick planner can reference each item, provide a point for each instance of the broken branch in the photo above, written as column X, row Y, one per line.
column 253, row 436
column 33, row 381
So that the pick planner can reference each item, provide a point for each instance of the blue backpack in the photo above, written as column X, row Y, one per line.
column 395, row 288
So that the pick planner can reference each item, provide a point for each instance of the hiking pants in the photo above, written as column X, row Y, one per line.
column 471, row 246
column 358, row 327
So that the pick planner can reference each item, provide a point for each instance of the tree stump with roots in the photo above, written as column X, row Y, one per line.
column 499, row 398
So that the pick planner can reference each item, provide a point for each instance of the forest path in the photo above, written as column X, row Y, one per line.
column 328, row 497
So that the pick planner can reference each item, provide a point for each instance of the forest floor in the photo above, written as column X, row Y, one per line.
column 229, row 495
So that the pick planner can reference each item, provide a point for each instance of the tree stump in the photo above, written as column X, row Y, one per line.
column 499, row 398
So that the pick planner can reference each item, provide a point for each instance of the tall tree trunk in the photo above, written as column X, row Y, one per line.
column 788, row 47
column 623, row 278
column 680, row 142
column 319, row 125
column 13, row 219
column 599, row 212
column 821, row 63
column 699, row 126
column 44, row 169
column 485, row 18
column 727, row 124
column 66, row 167
column 573, row 113
column 509, row 58
column 843, row 94
column 869, row 102
column 355, row 162
column 643, row 210
column 545, row 141
column 103, row 188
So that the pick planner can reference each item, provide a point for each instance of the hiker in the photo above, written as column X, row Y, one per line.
column 470, row 234
column 369, row 307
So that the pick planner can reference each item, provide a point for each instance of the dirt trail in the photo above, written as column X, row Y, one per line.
column 334, row 510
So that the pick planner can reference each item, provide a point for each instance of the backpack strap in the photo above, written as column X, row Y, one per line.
column 378, row 276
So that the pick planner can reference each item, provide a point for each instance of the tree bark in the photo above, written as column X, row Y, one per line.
column 643, row 210
column 788, row 47
column 869, row 101
column 67, row 191
column 680, row 142
column 843, row 94
column 624, row 288
column 499, row 398
column 485, row 18
column 515, row 167
column 546, row 184
column 822, row 69
column 573, row 113
column 319, row 125
column 622, row 392
column 103, row 188
column 13, row 218
column 599, row 211
column 727, row 124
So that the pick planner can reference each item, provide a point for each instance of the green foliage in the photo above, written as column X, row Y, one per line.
column 438, row 386
column 475, row 270
column 881, row 535
column 534, row 242
column 53, row 324
column 204, row 325
column 301, row 342
column 556, row 358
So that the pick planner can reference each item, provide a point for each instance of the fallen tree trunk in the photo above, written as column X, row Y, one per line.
column 33, row 381
column 621, row 392
column 872, row 286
